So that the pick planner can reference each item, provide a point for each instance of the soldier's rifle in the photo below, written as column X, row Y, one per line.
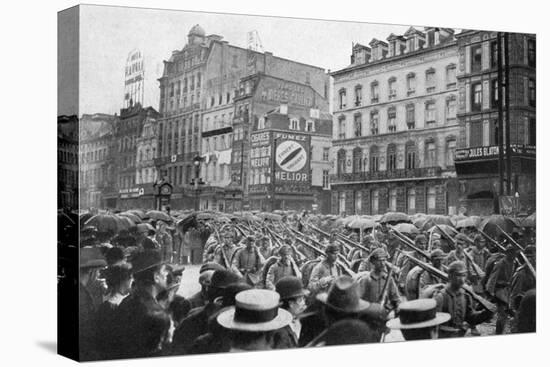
column 521, row 252
column 479, row 272
column 341, row 238
column 410, row 244
column 342, row 261
column 490, row 239
column 279, row 242
column 445, row 277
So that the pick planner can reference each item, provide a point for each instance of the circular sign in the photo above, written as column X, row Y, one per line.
column 291, row 156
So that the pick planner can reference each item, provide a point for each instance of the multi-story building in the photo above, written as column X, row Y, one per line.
column 395, row 128
column 146, row 170
column 259, row 95
column 477, row 159
column 67, row 162
column 197, row 92
column 126, row 194
column 96, row 159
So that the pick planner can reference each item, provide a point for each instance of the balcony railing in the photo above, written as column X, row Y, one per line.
column 386, row 175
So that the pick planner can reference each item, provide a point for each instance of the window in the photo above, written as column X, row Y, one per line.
column 374, row 92
column 410, row 154
column 357, row 160
column 532, row 93
column 430, row 200
column 185, row 85
column 325, row 179
column 310, row 126
column 476, row 58
column 450, row 109
column 374, row 123
column 358, row 95
column 358, row 200
column 476, row 134
column 342, row 128
column 341, row 162
column 342, row 201
column 411, row 200
column 391, row 120
column 374, row 159
column 494, row 93
column 450, row 156
column 450, row 76
column 494, row 54
column 357, row 131
column 430, row 112
column 227, row 97
column 392, row 88
column 531, row 53
column 171, row 89
column 374, row 202
column 261, row 123
column 430, row 80
column 391, row 160
column 220, row 99
column 212, row 101
column 326, row 152
column 392, row 201
column 294, row 124
column 411, row 84
column 476, row 97
column 342, row 98
column 410, row 116
column 431, row 159
column 198, row 80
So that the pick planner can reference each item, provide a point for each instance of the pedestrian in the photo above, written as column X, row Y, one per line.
column 347, row 332
column 526, row 315
column 205, row 276
column 418, row 319
column 293, row 298
column 454, row 300
column 253, row 319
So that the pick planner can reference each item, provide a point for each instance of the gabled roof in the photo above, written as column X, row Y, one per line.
column 394, row 36
column 413, row 31
column 375, row 42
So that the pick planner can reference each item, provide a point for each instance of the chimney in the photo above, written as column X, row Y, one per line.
column 283, row 109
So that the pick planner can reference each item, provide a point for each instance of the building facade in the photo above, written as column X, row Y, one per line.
column 67, row 162
column 477, row 160
column 197, row 104
column 96, row 159
column 394, row 126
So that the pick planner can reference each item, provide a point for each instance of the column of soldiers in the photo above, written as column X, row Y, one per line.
column 288, row 285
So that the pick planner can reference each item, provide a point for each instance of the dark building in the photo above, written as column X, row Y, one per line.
column 67, row 162
column 481, row 125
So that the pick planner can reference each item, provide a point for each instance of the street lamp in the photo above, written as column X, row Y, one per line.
column 197, row 181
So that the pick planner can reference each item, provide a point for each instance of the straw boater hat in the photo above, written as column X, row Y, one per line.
column 418, row 314
column 255, row 310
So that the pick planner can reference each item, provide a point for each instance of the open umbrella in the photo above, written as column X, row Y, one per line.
column 489, row 225
column 140, row 213
column 449, row 230
column 432, row 220
column 529, row 222
column 132, row 216
column 126, row 222
column 271, row 216
column 395, row 217
column 158, row 215
column 408, row 228
column 361, row 223
column 467, row 222
column 145, row 227
column 106, row 223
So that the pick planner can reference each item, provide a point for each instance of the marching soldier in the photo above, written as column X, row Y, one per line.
column 455, row 301
column 479, row 252
column 498, row 286
column 324, row 273
column 523, row 280
column 458, row 254
column 224, row 252
column 378, row 284
column 247, row 260
column 426, row 279
column 282, row 268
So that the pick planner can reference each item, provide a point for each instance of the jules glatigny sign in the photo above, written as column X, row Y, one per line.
column 490, row 152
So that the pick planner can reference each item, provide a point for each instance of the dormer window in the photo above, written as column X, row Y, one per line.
column 411, row 44
column 294, row 124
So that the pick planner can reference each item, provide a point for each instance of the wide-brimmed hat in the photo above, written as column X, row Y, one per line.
column 145, row 260
column 255, row 310
column 290, row 287
column 343, row 296
column 91, row 257
column 417, row 314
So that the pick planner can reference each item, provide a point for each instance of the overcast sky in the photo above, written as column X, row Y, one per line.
column 108, row 34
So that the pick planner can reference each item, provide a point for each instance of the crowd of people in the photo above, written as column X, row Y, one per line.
column 277, row 284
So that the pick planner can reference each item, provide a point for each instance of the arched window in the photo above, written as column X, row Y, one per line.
column 410, row 155
column 357, row 159
column 341, row 162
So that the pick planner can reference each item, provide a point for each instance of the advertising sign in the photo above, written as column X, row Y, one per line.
column 292, row 168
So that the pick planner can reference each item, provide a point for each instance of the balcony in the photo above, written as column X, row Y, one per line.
column 398, row 174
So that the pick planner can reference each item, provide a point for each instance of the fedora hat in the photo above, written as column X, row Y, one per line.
column 343, row 296
column 255, row 310
column 348, row 331
column 145, row 260
column 91, row 257
column 417, row 314
column 290, row 287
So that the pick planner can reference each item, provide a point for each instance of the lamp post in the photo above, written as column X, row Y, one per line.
column 196, row 181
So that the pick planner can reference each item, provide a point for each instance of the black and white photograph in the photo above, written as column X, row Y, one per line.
column 229, row 183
